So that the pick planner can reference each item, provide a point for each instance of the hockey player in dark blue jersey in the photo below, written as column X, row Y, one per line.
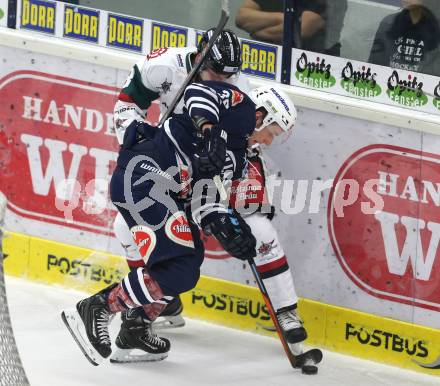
column 163, row 187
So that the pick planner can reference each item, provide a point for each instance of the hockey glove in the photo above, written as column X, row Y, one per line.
column 136, row 132
column 210, row 154
column 233, row 234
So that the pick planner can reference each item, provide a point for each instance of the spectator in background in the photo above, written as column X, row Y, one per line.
column 409, row 39
column 321, row 22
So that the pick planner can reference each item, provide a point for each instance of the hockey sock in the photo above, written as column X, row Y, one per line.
column 153, row 310
column 137, row 289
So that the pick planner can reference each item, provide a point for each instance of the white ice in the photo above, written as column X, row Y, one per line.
column 201, row 353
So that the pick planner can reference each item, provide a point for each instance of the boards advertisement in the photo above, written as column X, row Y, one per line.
column 356, row 204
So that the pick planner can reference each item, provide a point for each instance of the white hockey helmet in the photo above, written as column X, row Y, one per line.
column 279, row 107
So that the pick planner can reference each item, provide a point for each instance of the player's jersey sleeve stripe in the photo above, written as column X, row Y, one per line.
column 197, row 99
column 199, row 109
column 200, row 213
column 202, row 101
column 201, row 90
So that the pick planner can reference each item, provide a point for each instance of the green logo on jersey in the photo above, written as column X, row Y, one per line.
column 2, row 13
column 408, row 93
column 360, row 83
column 316, row 75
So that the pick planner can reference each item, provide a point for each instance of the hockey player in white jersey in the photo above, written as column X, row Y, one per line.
column 271, row 260
column 159, row 76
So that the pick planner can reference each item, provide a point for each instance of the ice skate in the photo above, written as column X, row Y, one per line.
column 292, row 326
column 171, row 316
column 88, row 324
column 136, row 341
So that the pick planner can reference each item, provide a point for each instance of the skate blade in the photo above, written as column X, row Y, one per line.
column 76, row 327
column 135, row 356
column 165, row 322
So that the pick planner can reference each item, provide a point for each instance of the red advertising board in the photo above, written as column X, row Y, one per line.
column 58, row 149
column 387, row 239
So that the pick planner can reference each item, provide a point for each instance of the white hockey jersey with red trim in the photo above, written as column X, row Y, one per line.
column 157, row 76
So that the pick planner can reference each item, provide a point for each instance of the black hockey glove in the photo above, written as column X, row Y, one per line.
column 233, row 234
column 210, row 154
column 136, row 132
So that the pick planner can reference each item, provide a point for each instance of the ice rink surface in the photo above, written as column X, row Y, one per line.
column 201, row 353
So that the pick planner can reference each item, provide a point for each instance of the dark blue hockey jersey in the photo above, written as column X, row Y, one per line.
column 220, row 103
column 173, row 145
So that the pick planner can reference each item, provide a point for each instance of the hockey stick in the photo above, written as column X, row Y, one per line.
column 221, row 24
column 296, row 360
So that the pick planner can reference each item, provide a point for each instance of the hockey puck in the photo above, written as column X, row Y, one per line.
column 309, row 369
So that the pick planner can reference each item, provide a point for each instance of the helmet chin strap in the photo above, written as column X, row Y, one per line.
column 264, row 123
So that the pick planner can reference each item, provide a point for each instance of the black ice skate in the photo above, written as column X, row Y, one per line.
column 136, row 341
column 291, row 325
column 171, row 316
column 88, row 324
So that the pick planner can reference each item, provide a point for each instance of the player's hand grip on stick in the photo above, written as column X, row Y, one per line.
column 233, row 233
column 210, row 155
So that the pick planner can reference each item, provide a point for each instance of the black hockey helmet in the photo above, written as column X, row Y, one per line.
column 225, row 55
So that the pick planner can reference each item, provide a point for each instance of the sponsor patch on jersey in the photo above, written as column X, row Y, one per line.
column 185, row 181
column 165, row 35
column 81, row 23
column 145, row 239
column 165, row 86
column 124, row 32
column 38, row 15
column 236, row 97
column 177, row 229
column 249, row 191
column 266, row 248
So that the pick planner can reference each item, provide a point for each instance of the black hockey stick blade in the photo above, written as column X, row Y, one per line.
column 297, row 361
column 314, row 355
column 221, row 24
